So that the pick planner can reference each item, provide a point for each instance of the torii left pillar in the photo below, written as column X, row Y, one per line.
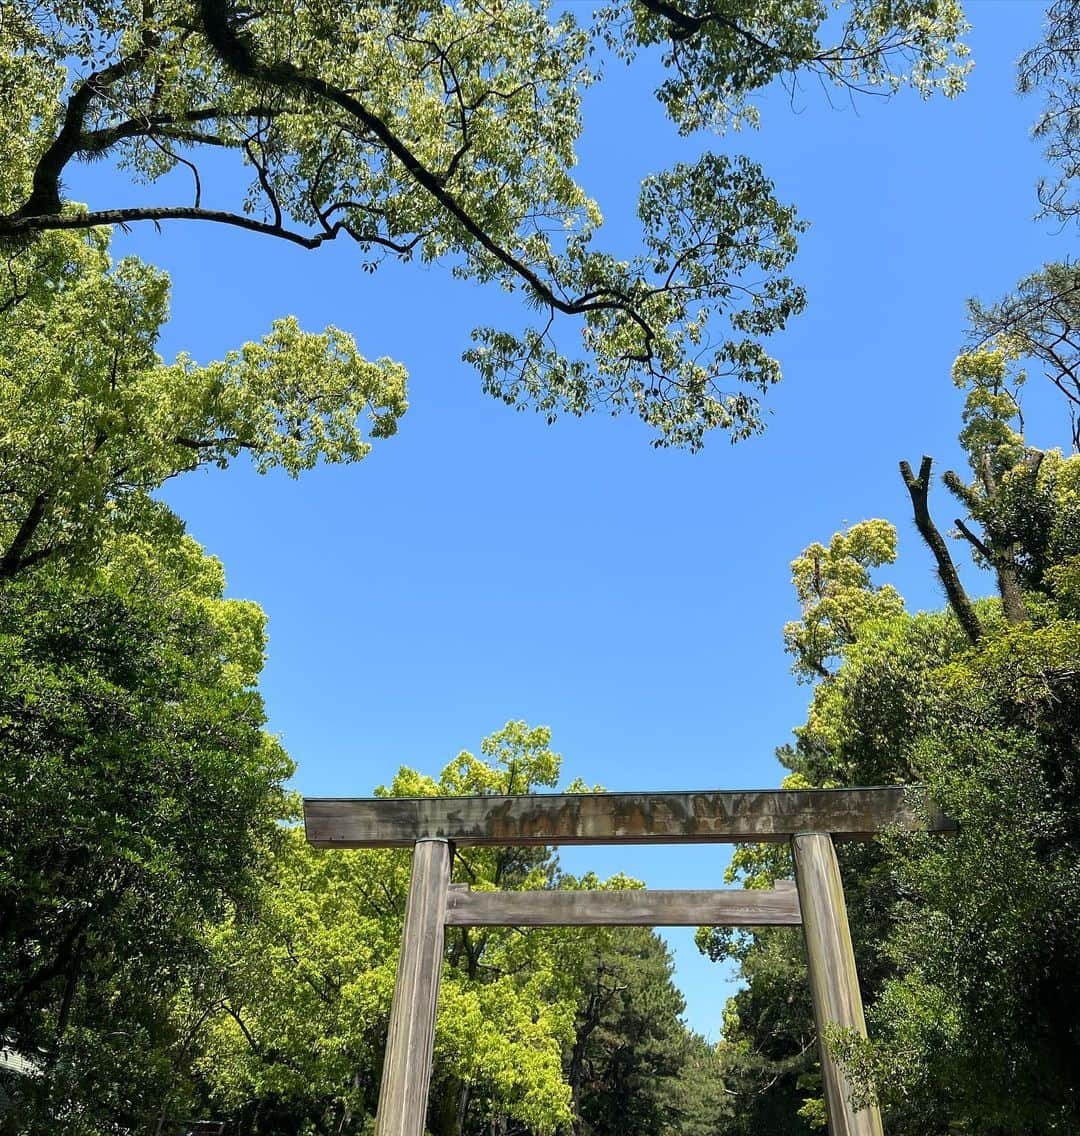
column 411, row 1040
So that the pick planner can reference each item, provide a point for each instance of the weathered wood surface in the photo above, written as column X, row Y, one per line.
column 410, row 1042
column 617, row 818
column 631, row 908
column 834, row 983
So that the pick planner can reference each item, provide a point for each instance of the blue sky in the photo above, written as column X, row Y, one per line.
column 483, row 566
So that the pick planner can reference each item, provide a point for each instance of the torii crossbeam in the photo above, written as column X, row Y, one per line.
column 809, row 818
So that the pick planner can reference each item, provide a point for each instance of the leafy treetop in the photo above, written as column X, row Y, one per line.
column 93, row 419
column 447, row 132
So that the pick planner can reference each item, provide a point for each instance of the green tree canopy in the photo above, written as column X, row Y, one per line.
column 139, row 794
column 294, row 1011
column 447, row 132
column 968, row 946
column 92, row 419
column 633, row 1066
column 138, row 791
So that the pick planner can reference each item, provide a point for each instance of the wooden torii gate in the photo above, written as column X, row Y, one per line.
column 810, row 819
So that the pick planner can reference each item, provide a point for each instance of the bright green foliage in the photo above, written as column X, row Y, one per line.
column 708, row 228
column 1026, row 500
column 836, row 596
column 301, row 999
column 980, row 1021
column 91, row 419
column 860, row 723
column 990, row 407
column 447, row 132
column 538, row 1031
column 297, row 998
column 522, row 763
column 979, row 965
column 720, row 58
column 969, row 945
column 138, row 791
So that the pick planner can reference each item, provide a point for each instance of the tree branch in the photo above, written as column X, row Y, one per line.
column 974, row 541
column 224, row 30
column 99, row 141
column 18, row 226
column 16, row 556
column 235, row 51
column 1003, row 560
column 211, row 443
column 688, row 25
column 918, row 489
column 45, row 188
column 57, row 965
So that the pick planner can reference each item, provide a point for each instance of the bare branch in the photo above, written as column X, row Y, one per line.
column 974, row 541
column 919, row 489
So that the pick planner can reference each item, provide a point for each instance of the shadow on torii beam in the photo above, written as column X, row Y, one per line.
column 810, row 819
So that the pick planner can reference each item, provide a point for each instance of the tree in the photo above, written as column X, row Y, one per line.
column 93, row 419
column 447, row 133
column 701, row 1099
column 1050, row 67
column 967, row 946
column 632, row 1061
column 833, row 586
column 767, row 1052
column 537, row 1030
column 987, row 940
column 1038, row 319
column 296, row 1010
column 137, row 793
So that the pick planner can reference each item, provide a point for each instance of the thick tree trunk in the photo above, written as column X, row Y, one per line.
column 1012, row 596
column 462, row 1109
column 1003, row 559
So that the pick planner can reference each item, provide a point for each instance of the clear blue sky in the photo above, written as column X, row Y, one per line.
column 482, row 566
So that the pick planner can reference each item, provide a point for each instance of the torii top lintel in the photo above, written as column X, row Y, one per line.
column 703, row 817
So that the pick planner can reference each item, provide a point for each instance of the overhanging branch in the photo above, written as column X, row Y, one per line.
column 19, row 226
column 235, row 51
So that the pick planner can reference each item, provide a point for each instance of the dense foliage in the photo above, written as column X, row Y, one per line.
column 139, row 793
column 967, row 946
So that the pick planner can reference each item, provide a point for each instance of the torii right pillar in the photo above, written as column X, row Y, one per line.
column 834, row 982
